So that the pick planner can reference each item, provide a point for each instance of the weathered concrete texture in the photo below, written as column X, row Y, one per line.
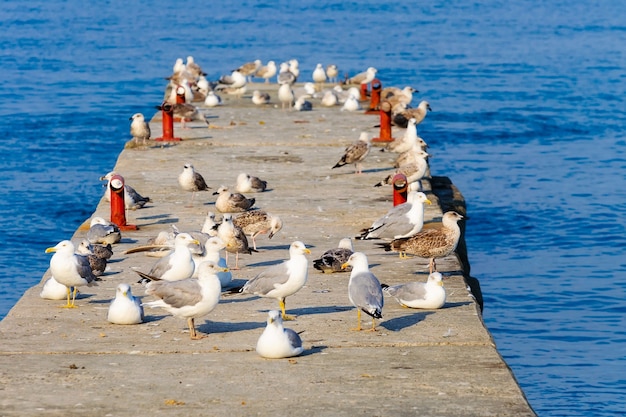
column 420, row 362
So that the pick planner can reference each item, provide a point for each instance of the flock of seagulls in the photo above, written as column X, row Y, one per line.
column 191, row 275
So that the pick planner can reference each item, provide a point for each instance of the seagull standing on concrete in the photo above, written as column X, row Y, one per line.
column 192, row 181
column 356, row 153
column 190, row 298
column 70, row 269
column 256, row 222
column 430, row 243
column 364, row 289
column 281, row 280
column 139, row 128
column 177, row 265
column 400, row 221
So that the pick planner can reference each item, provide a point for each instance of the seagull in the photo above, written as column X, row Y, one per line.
column 234, row 80
column 53, row 290
column 228, row 202
column 189, row 298
column 285, row 95
column 332, row 72
column 249, row 69
column 356, row 153
column 285, row 76
column 329, row 99
column 267, row 71
column 177, row 265
column 96, row 263
column 406, row 142
column 132, row 199
column 260, row 98
column 281, row 280
column 364, row 289
column 365, row 77
column 332, row 260
column 294, row 68
column 418, row 151
column 256, row 222
column 193, row 67
column 193, row 181
column 70, row 269
column 430, row 243
column 401, row 97
column 212, row 100
column 209, row 226
column 430, row 294
column 400, row 118
column 103, row 231
column 302, row 104
column 188, row 112
column 249, row 184
column 125, row 309
column 139, row 128
column 212, row 248
column 234, row 238
column 351, row 104
column 413, row 171
column 401, row 221
column 277, row 342
column 319, row 75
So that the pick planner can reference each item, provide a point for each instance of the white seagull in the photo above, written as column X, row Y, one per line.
column 281, row 280
column 277, row 342
column 190, row 298
column 70, row 269
column 428, row 295
column 364, row 289
column 125, row 309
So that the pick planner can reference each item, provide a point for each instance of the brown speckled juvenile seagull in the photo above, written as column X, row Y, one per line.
column 430, row 243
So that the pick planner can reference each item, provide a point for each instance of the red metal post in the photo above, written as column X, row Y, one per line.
column 400, row 188
column 385, row 123
column 167, row 114
column 180, row 94
column 375, row 97
column 118, row 209
column 363, row 92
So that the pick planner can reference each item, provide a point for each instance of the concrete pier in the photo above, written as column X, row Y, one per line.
column 442, row 362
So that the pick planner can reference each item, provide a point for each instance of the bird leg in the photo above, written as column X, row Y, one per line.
column 432, row 266
column 281, row 303
column 69, row 292
column 358, row 315
column 192, row 330
column 373, row 329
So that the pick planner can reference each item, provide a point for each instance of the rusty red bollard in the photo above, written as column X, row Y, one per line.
column 375, row 97
column 400, row 188
column 118, row 208
column 167, row 115
column 385, row 123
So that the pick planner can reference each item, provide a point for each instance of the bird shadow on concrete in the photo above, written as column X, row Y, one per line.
column 399, row 323
column 209, row 326
column 459, row 304
column 162, row 219
column 313, row 350
column 307, row 311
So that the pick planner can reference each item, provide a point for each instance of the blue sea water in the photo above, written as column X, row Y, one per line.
column 528, row 121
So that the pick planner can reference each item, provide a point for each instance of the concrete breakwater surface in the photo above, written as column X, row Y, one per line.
column 434, row 362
